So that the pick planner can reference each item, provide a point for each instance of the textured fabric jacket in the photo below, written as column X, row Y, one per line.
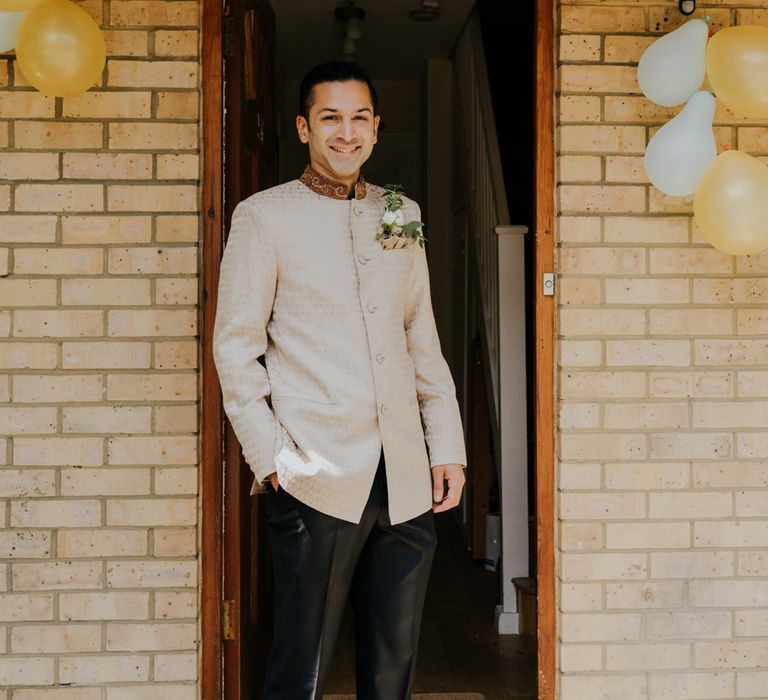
column 352, row 356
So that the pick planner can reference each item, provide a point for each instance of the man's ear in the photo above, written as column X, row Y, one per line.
column 302, row 128
column 376, row 128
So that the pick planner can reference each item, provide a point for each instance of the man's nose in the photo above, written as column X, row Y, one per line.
column 347, row 129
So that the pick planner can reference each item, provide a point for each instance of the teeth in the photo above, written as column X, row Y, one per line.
column 342, row 150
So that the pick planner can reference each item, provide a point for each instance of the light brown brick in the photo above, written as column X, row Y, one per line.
column 26, row 606
column 587, row 385
column 176, row 290
column 651, row 595
column 180, row 449
column 110, row 354
column 626, row 416
column 55, row 513
column 126, row 13
column 181, row 42
column 104, row 105
column 175, row 667
column 108, row 166
column 101, row 542
column 602, row 198
column 690, row 445
column 19, row 355
column 56, row 575
column 174, row 541
column 150, row 636
column 602, row 506
column 54, row 388
column 105, row 482
column 599, row 79
column 143, row 198
column 148, row 260
column 76, row 198
column 152, row 74
column 105, row 669
column 58, row 451
column 28, row 166
column 26, row 483
column 106, row 419
column 602, row 139
column 175, row 355
column 600, row 627
column 28, row 228
column 673, row 384
column 108, row 605
column 601, row 322
column 106, row 229
column 28, row 671
column 50, row 639
column 658, row 656
column 177, row 105
column 105, row 292
column 151, row 511
column 152, row 136
column 731, row 533
column 153, row 322
column 58, row 324
column 131, row 42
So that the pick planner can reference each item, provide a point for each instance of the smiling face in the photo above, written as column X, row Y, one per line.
column 341, row 130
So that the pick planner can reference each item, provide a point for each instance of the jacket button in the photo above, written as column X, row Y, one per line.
column 362, row 259
column 383, row 408
column 357, row 211
column 379, row 358
column 371, row 307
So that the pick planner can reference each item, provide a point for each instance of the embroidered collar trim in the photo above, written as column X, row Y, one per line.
column 331, row 188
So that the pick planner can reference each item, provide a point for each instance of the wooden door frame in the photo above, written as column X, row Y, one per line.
column 212, row 411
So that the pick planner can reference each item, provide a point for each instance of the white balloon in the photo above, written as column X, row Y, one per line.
column 9, row 28
column 672, row 68
column 679, row 153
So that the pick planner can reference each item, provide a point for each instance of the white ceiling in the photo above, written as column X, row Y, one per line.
column 393, row 46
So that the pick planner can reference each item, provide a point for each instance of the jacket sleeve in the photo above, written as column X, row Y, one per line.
column 247, row 285
column 435, row 388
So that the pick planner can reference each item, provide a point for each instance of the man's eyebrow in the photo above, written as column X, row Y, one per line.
column 336, row 109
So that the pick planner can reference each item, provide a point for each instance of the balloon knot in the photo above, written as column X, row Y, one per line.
column 708, row 18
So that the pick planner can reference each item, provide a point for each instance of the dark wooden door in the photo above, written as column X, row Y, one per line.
column 250, row 148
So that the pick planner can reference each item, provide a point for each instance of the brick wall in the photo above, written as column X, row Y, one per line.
column 98, row 369
column 663, row 392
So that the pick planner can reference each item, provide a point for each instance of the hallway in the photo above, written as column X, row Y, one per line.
column 459, row 650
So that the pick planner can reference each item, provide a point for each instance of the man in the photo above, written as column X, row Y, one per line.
column 357, row 384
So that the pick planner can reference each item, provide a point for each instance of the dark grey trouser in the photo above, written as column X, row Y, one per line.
column 319, row 561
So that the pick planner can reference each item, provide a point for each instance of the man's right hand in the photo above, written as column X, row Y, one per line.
column 273, row 480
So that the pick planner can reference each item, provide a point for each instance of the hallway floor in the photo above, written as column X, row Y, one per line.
column 459, row 650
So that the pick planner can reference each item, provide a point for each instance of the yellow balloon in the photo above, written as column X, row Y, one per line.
column 731, row 204
column 18, row 5
column 737, row 68
column 60, row 49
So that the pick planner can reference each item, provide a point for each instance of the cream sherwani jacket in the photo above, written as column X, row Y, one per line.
column 352, row 355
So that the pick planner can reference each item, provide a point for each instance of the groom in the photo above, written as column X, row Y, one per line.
column 334, row 425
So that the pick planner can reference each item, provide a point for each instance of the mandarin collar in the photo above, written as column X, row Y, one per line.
column 327, row 187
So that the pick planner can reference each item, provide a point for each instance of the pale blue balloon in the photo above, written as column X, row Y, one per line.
column 9, row 28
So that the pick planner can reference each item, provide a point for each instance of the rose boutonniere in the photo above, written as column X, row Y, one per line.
column 393, row 231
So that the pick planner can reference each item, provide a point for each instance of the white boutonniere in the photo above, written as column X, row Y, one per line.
column 393, row 231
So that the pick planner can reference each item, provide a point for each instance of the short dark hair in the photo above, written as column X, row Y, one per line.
column 332, row 71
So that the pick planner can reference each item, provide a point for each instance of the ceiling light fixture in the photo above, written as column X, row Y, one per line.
column 428, row 11
column 351, row 15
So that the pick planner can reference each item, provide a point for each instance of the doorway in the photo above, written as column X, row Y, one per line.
column 461, row 586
